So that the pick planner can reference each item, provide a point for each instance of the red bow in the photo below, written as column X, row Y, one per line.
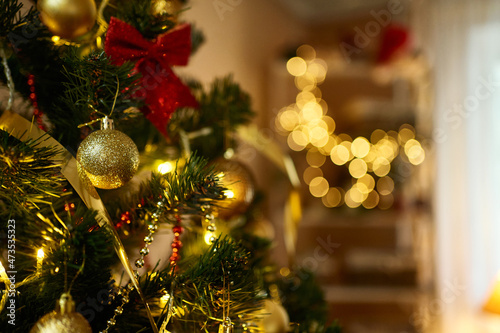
column 162, row 90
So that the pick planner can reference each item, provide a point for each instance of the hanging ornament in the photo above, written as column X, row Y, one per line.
column 62, row 320
column 239, row 184
column 68, row 18
column 108, row 157
column 226, row 327
column 275, row 319
column 162, row 90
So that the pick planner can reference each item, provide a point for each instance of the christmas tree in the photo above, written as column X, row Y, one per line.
column 104, row 148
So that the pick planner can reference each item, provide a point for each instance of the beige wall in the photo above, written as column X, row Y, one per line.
column 242, row 37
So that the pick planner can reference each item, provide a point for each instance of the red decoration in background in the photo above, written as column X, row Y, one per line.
column 162, row 90
column 124, row 219
column 176, row 242
column 395, row 40
column 36, row 112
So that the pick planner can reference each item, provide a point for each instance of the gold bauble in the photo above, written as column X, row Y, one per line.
column 238, row 181
column 68, row 18
column 62, row 320
column 108, row 157
column 275, row 318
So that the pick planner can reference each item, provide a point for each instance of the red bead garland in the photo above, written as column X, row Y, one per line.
column 36, row 112
column 176, row 242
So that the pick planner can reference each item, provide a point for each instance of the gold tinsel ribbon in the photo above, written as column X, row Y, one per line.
column 18, row 127
column 293, row 208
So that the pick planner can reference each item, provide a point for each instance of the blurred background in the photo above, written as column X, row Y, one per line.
column 390, row 112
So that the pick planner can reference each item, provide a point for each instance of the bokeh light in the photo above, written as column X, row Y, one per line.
column 310, row 173
column 296, row 66
column 369, row 159
column 319, row 187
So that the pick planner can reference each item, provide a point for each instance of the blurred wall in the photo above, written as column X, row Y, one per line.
column 242, row 37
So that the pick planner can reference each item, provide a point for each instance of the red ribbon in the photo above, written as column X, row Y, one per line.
column 162, row 90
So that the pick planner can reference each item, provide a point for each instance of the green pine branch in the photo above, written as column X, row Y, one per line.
column 223, row 108
column 199, row 288
column 96, row 87
column 139, row 14
column 78, row 258
column 182, row 192
column 11, row 17
column 29, row 176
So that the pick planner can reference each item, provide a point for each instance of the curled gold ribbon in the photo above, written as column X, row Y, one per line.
column 17, row 126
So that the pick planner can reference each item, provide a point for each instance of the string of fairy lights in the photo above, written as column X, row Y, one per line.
column 369, row 160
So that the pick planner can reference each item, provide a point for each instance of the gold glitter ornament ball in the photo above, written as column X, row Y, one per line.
column 62, row 320
column 108, row 157
column 68, row 18
column 239, row 184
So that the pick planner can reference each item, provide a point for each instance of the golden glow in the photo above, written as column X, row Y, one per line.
column 339, row 155
column 310, row 128
column 367, row 182
column 289, row 119
column 358, row 168
column 381, row 166
column 228, row 194
column 305, row 82
column 357, row 195
column 296, row 66
column 208, row 237
column 318, row 137
column 405, row 134
column 345, row 137
column 327, row 148
column 310, row 173
column 285, row 271
column 306, row 52
column 350, row 202
column 371, row 201
column 315, row 158
column 166, row 167
column 330, row 124
column 98, row 42
column 297, row 140
column 492, row 304
column 318, row 69
column 416, row 155
column 377, row 135
column 319, row 187
column 360, row 147
column 164, row 300
column 333, row 198
column 40, row 254
column 385, row 185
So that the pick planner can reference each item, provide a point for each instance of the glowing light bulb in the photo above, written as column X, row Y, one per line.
column 166, row 167
column 229, row 194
